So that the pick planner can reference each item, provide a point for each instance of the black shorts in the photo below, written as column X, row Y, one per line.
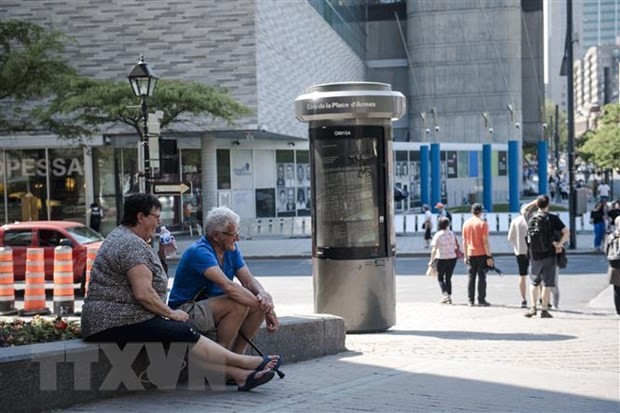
column 523, row 262
column 155, row 330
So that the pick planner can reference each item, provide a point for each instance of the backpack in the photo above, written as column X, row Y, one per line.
column 613, row 250
column 540, row 238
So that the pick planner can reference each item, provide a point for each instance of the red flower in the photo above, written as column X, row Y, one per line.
column 60, row 325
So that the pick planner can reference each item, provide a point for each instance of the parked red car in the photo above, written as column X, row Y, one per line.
column 48, row 235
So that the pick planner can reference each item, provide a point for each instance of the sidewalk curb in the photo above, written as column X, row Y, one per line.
column 398, row 255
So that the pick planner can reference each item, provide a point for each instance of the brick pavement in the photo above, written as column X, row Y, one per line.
column 438, row 358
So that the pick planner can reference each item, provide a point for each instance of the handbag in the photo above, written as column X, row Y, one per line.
column 431, row 271
column 459, row 254
column 560, row 259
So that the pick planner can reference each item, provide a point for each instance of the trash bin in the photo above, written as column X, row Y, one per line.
column 353, row 239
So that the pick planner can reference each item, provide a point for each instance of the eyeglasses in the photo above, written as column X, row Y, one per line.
column 232, row 234
column 158, row 216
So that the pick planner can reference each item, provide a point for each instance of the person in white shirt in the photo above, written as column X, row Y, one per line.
column 517, row 236
column 603, row 191
column 444, row 246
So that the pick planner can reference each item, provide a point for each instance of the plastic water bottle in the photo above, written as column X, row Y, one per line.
column 165, row 237
column 169, row 243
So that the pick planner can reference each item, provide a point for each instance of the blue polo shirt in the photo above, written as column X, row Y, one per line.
column 189, row 278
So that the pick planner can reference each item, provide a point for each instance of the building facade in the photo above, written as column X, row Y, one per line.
column 265, row 53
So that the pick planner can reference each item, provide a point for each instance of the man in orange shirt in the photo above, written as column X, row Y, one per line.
column 477, row 254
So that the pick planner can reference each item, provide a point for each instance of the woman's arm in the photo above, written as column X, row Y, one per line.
column 141, row 281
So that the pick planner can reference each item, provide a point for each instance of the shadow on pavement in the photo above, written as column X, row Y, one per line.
column 473, row 335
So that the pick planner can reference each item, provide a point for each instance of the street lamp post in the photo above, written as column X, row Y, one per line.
column 143, row 81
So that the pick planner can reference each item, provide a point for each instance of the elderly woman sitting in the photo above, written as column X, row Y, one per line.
column 126, row 300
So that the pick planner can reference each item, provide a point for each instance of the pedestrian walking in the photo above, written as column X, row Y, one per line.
column 603, row 191
column 597, row 219
column 517, row 236
column 477, row 254
column 427, row 224
column 541, row 227
column 96, row 215
column 613, row 257
column 442, row 211
column 444, row 249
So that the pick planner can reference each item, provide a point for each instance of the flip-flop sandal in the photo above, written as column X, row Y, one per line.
column 267, row 360
column 252, row 381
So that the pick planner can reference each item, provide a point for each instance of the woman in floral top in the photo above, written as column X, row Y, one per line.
column 126, row 301
column 444, row 246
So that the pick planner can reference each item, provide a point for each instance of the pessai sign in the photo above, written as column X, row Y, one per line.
column 38, row 167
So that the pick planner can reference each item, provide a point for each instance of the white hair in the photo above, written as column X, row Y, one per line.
column 219, row 218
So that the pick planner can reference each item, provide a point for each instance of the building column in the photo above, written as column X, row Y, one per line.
column 208, row 163
column 89, row 180
column 487, row 177
column 435, row 176
column 424, row 175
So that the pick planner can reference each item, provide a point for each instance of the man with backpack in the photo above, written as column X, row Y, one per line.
column 542, row 248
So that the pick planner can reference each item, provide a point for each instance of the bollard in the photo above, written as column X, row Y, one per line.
column 90, row 259
column 64, row 297
column 34, row 292
column 7, row 282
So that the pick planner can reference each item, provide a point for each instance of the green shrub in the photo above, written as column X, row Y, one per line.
column 19, row 332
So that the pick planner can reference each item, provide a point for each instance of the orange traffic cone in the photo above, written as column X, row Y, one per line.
column 7, row 282
column 64, row 297
column 34, row 293
column 90, row 259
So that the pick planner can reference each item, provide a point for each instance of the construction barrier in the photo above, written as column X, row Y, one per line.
column 34, row 292
column 64, row 297
column 90, row 259
column 7, row 282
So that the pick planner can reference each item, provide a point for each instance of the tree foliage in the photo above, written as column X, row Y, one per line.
column 86, row 106
column 43, row 92
column 602, row 146
column 31, row 68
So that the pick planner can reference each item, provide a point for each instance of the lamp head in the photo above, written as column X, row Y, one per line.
column 142, row 79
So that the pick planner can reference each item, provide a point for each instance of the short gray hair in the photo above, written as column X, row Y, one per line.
column 219, row 218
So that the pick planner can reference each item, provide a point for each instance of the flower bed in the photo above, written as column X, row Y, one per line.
column 19, row 332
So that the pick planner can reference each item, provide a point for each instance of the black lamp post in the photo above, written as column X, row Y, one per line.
column 143, row 81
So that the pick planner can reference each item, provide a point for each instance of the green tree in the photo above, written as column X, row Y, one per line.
column 31, row 68
column 602, row 146
column 86, row 106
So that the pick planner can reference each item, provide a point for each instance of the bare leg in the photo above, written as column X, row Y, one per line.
column 533, row 295
column 249, row 328
column 522, row 285
column 209, row 352
column 545, row 297
column 209, row 360
column 229, row 316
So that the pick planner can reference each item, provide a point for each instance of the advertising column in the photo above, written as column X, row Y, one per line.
column 353, row 238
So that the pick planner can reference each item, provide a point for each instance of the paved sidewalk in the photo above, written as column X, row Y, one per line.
column 437, row 358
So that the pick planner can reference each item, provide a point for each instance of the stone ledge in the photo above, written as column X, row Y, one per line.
column 29, row 383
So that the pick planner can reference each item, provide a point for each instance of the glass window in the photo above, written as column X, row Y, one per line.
column 67, row 184
column 18, row 238
column 223, row 169
column 285, row 183
column 49, row 238
column 347, row 201
column 25, row 172
column 192, row 200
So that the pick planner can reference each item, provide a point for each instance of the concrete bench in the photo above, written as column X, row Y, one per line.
column 48, row 376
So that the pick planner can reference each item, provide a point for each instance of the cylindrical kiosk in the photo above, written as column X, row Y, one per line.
column 353, row 239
